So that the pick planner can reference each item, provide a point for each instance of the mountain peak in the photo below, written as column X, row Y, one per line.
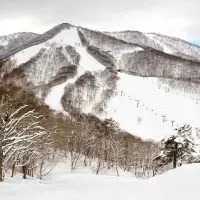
column 62, row 26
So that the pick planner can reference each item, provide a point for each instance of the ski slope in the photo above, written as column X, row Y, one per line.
column 179, row 184
column 87, row 63
column 144, row 108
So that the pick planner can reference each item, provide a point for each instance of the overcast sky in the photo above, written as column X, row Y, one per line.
column 180, row 18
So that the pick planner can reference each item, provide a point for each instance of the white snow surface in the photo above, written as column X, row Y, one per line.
column 180, row 184
column 157, row 109
column 25, row 55
column 123, row 52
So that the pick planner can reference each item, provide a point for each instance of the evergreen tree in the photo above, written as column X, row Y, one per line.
column 179, row 146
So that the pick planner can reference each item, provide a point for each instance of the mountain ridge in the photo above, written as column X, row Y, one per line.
column 55, row 30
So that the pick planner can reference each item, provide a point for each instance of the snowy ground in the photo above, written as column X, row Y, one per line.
column 179, row 184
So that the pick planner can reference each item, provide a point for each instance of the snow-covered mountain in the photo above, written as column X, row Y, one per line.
column 148, row 83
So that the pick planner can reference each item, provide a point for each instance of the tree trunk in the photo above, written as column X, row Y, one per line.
column 13, row 170
column 116, row 167
column 85, row 161
column 65, row 153
column 98, row 167
column 24, row 170
column 41, row 168
column 1, row 164
column 175, row 155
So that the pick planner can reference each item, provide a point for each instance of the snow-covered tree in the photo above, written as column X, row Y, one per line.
column 20, row 131
column 179, row 146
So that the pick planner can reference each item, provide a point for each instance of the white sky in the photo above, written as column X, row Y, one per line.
column 178, row 18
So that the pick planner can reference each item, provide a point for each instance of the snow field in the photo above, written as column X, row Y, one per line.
column 180, row 184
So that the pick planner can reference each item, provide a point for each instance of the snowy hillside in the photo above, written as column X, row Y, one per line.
column 167, row 44
column 179, row 184
column 14, row 40
column 148, row 83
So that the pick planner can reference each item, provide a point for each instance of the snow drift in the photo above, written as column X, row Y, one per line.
column 180, row 184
